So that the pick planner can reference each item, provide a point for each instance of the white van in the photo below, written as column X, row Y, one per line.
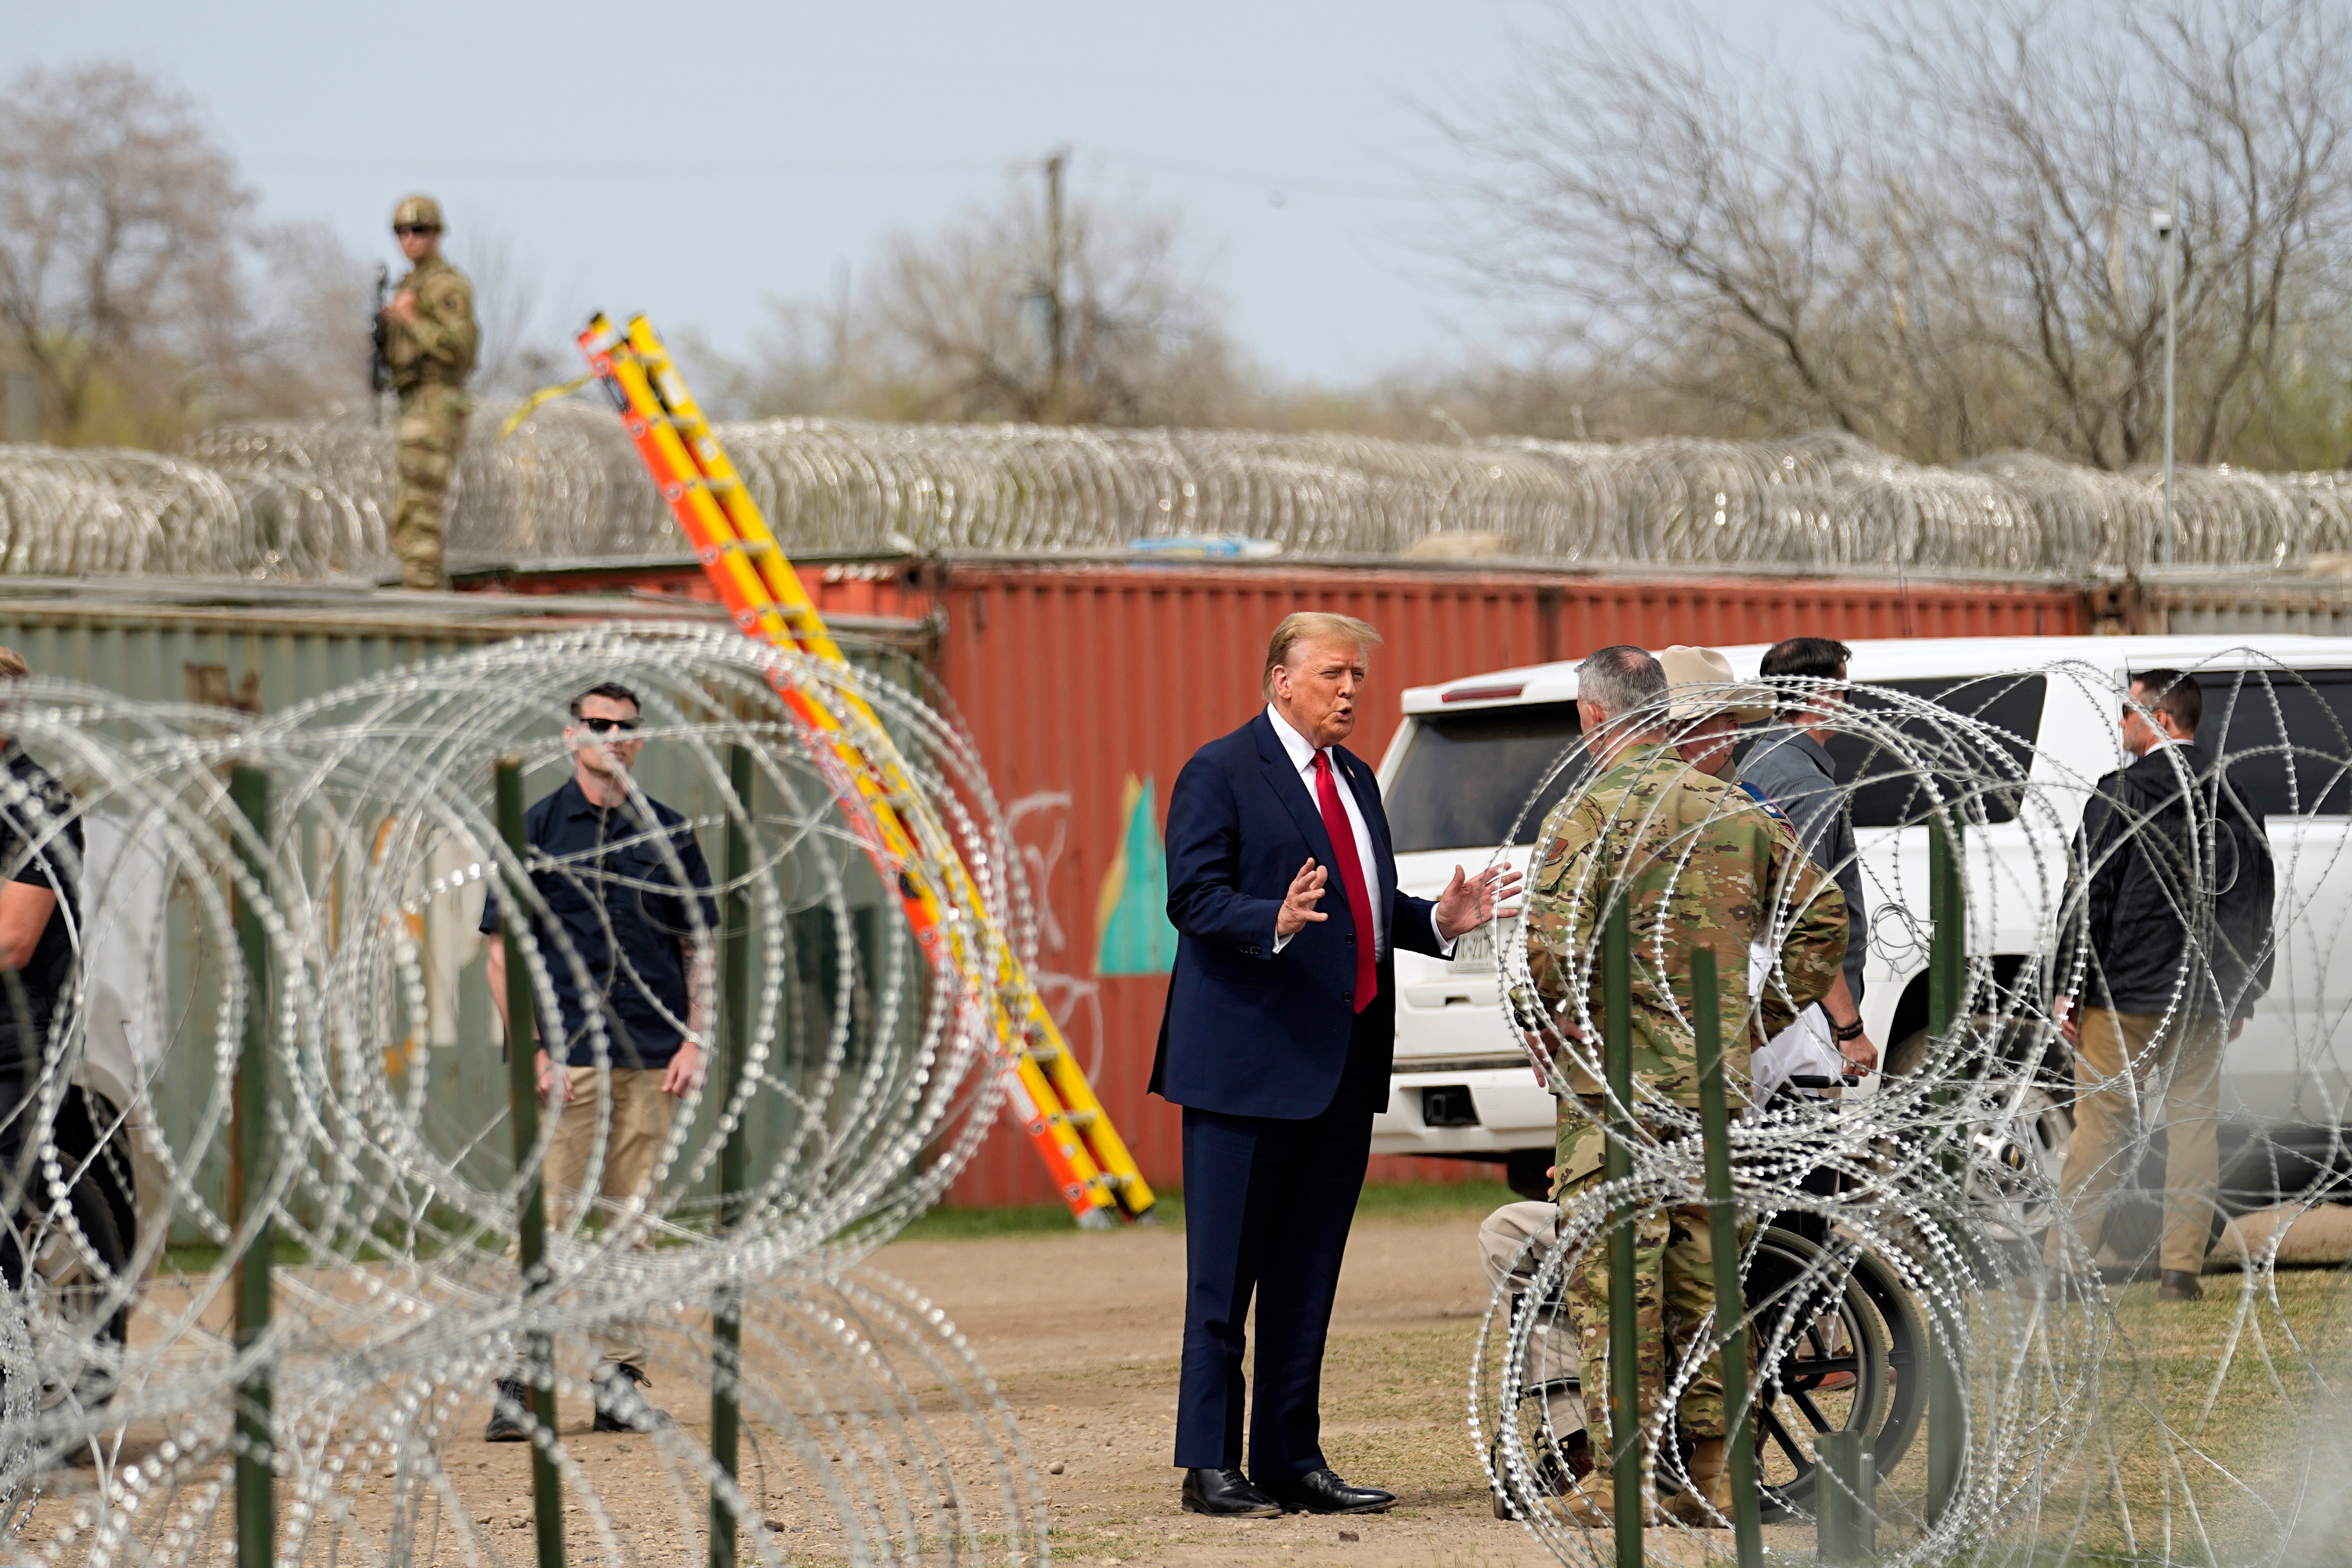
column 1470, row 753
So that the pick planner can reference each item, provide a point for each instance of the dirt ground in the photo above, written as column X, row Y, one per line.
column 1090, row 1371
column 1080, row 1333
column 1089, row 1368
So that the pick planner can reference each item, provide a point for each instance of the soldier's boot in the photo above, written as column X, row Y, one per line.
column 1591, row 1503
column 1706, row 1502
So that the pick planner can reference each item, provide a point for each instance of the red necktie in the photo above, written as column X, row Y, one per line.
column 1351, row 879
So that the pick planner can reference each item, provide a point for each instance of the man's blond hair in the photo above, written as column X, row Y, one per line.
column 1311, row 625
column 13, row 666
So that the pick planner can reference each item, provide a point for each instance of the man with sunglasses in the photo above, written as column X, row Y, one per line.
column 627, row 946
column 2168, row 945
column 429, row 344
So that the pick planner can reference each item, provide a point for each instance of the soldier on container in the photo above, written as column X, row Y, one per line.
column 1703, row 865
column 430, row 341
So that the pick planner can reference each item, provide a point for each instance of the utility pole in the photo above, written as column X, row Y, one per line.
column 2168, row 230
column 1056, row 354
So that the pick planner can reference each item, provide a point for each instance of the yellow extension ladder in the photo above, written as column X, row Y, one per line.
column 1048, row 1090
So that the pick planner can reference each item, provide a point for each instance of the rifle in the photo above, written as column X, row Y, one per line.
column 379, row 371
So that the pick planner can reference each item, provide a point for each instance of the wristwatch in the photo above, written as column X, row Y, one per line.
column 1841, row 1033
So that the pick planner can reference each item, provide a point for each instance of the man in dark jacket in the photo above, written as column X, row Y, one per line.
column 1282, row 885
column 1795, row 772
column 2172, row 887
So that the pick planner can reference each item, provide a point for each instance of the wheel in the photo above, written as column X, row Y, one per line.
column 1907, row 1357
column 1824, row 1360
column 2021, row 1137
column 1529, row 1172
column 2022, row 1127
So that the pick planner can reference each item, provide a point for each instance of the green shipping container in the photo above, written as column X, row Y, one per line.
column 264, row 649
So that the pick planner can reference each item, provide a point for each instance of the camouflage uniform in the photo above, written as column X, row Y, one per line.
column 1709, row 867
column 429, row 359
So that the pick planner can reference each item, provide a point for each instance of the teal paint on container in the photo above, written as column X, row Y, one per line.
column 1138, row 938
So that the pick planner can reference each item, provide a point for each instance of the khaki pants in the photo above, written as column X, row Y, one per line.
column 635, row 1125
column 2120, row 1059
column 1503, row 1247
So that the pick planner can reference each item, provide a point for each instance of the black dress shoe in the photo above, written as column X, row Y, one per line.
column 620, row 1407
column 510, row 1406
column 1226, row 1493
column 1320, row 1491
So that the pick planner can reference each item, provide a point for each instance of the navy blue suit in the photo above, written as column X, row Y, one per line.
column 1279, row 1078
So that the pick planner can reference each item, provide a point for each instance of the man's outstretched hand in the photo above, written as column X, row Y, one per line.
column 1469, row 902
column 1298, row 904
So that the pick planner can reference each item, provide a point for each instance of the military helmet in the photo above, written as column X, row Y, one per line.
column 416, row 212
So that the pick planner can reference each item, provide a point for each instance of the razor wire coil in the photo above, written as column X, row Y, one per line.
column 311, row 499
column 2089, row 1422
column 867, row 1078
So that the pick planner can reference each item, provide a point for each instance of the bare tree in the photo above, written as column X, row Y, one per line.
column 1946, row 250
column 958, row 324
column 120, row 227
column 820, row 357
column 522, row 349
column 302, row 347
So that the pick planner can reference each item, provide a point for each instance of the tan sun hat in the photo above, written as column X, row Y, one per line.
column 1700, row 667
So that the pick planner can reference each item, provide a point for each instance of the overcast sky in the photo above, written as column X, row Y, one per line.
column 744, row 152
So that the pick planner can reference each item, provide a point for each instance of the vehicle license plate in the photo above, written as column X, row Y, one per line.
column 1475, row 950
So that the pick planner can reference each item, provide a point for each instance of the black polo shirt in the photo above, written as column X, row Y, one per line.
column 40, row 846
column 607, row 878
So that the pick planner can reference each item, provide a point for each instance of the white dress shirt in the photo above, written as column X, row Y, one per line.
column 1301, row 751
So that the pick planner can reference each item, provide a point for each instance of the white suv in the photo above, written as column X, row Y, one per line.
column 1469, row 755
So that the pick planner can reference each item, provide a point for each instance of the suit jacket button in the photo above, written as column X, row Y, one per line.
column 1347, row 996
column 1352, row 938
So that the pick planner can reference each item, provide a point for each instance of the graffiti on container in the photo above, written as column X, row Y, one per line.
column 1039, row 827
column 1131, row 910
column 208, row 686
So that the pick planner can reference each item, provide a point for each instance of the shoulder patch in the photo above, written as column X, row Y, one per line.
column 448, row 295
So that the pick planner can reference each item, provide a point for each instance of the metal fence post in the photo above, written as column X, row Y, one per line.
column 1723, row 1224
column 734, row 1039
column 1845, row 1489
column 531, row 1203
column 1948, row 982
column 1627, row 1489
column 1948, row 952
column 257, row 1491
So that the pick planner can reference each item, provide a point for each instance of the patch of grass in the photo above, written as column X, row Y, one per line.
column 1435, row 1198
column 1406, row 1199
column 1036, row 1219
column 203, row 1258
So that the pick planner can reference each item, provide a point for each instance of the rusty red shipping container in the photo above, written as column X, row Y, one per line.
column 1087, row 685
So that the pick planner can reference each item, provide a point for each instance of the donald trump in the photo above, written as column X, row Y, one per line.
column 1277, row 1043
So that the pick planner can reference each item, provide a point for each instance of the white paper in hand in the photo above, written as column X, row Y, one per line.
column 1805, row 1047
